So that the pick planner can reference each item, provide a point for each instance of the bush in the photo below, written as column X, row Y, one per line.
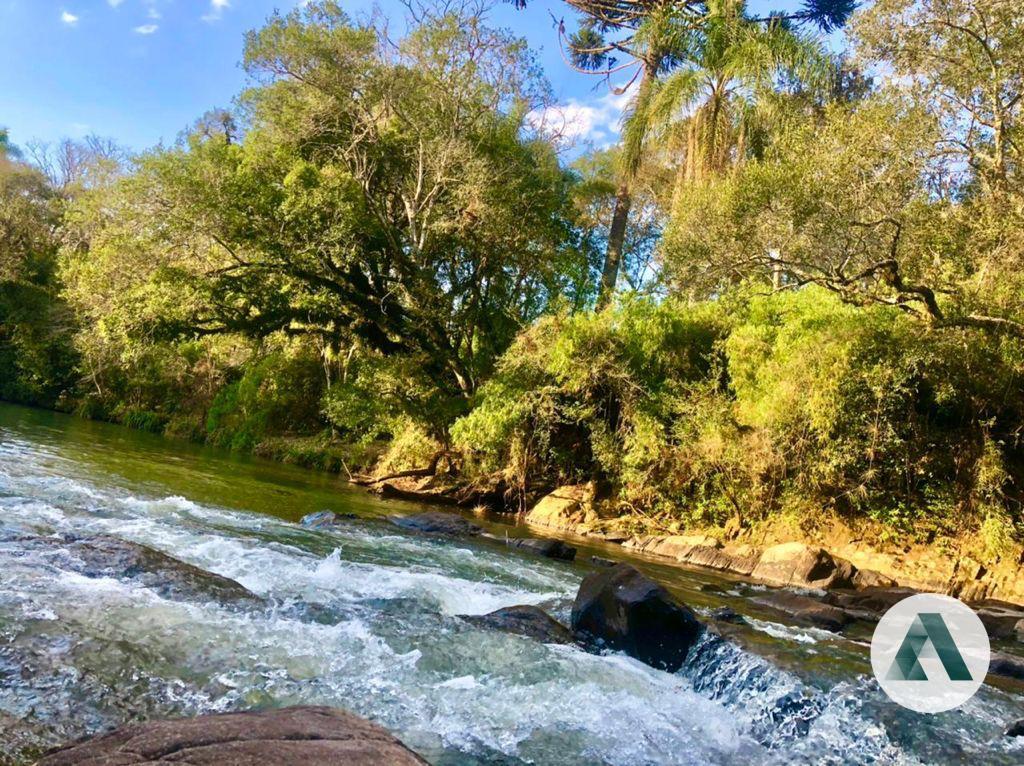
column 793, row 402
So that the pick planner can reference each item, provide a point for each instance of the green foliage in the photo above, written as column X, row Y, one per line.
column 277, row 394
column 793, row 401
column 591, row 395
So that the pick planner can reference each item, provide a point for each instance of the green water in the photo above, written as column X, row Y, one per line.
column 365, row 616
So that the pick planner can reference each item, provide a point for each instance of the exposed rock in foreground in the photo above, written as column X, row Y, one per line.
column 104, row 556
column 621, row 609
column 529, row 621
column 299, row 736
column 437, row 523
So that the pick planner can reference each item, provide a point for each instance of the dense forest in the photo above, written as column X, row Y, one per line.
column 793, row 288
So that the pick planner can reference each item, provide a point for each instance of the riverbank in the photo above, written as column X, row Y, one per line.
column 777, row 551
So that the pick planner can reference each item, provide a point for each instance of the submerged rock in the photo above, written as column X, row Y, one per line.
column 807, row 610
column 299, row 736
column 530, row 621
column 104, row 556
column 438, row 523
column 1015, row 729
column 324, row 519
column 552, row 549
column 621, row 609
column 728, row 614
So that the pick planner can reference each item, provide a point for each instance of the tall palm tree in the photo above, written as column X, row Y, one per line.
column 725, row 93
column 648, row 35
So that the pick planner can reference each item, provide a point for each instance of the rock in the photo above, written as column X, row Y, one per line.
column 1006, row 665
column 600, row 561
column 1018, row 630
column 621, row 609
column 728, row 614
column 566, row 508
column 552, row 549
column 868, row 578
column 297, row 736
column 529, row 621
column 806, row 610
column 324, row 519
column 1000, row 620
column 105, row 556
column 802, row 565
column 873, row 602
column 1015, row 729
column 616, row 536
column 700, row 551
column 438, row 523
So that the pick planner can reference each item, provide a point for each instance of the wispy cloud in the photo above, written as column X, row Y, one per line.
column 596, row 121
column 146, row 29
column 217, row 8
column 68, row 18
column 114, row 3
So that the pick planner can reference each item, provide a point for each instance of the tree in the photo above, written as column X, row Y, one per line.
column 962, row 61
column 652, row 36
column 383, row 196
column 725, row 94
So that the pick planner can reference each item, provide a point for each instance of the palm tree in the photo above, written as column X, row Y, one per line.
column 654, row 37
column 725, row 95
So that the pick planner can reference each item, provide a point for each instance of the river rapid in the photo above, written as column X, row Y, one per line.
column 365, row 616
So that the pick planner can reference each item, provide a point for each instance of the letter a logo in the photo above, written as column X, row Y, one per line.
column 930, row 653
column 928, row 629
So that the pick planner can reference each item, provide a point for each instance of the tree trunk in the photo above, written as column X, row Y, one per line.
column 616, row 242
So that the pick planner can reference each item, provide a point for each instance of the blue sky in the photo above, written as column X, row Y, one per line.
column 140, row 71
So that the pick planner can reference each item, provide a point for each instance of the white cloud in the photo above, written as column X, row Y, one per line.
column 217, row 8
column 154, row 13
column 68, row 18
column 146, row 29
column 114, row 3
column 597, row 121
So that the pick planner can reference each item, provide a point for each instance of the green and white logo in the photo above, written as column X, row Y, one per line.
column 930, row 653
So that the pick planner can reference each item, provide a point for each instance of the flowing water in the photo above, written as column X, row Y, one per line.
column 364, row 616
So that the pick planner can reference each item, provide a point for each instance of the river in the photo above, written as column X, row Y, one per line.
column 364, row 616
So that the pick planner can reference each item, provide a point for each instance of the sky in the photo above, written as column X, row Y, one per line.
column 141, row 71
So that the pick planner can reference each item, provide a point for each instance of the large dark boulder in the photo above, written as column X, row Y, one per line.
column 298, row 736
column 621, row 609
column 438, row 523
column 529, row 621
column 105, row 556
column 552, row 549
column 1015, row 729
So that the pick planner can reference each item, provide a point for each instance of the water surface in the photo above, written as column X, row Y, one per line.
column 365, row 616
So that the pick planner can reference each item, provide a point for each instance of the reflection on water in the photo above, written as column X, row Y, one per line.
column 365, row 617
